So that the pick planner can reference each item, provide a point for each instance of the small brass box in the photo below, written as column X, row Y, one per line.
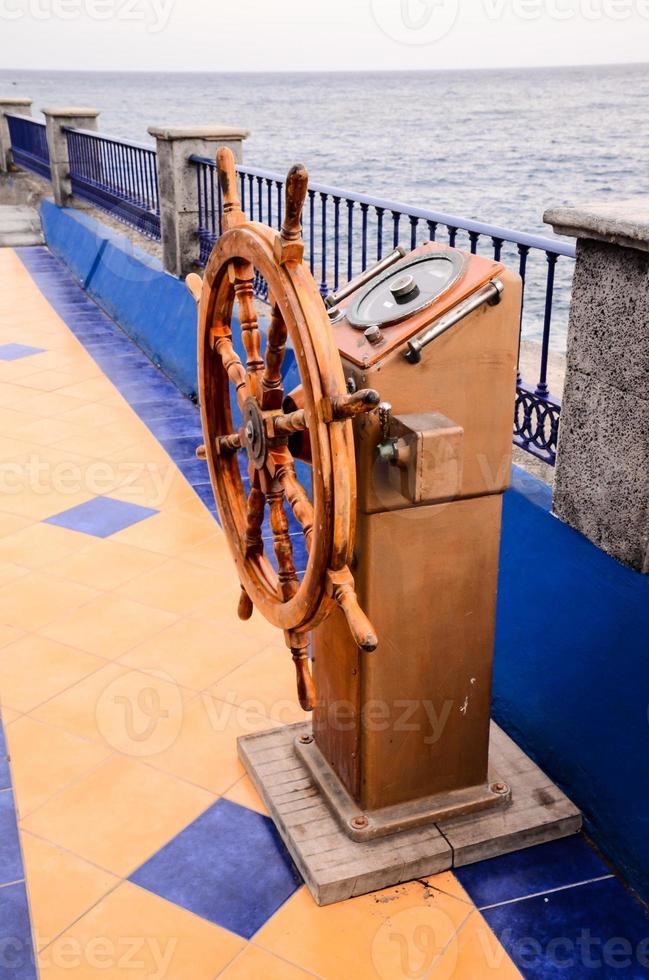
column 428, row 460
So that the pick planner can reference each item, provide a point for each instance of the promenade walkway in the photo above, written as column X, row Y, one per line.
column 131, row 842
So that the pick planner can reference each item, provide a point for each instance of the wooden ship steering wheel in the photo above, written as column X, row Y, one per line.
column 327, row 521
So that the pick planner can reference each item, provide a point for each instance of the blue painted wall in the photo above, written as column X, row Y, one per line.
column 571, row 681
column 571, row 678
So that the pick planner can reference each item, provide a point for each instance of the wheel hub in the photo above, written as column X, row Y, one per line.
column 254, row 433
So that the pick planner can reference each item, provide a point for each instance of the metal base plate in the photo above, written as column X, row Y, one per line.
column 335, row 867
column 363, row 825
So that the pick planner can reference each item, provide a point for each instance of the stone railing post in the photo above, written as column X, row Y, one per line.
column 602, row 473
column 19, row 107
column 55, row 121
column 178, row 186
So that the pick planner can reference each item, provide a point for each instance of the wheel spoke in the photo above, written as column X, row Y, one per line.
column 342, row 407
column 296, row 495
column 272, row 391
column 232, row 213
column 234, row 368
column 226, row 445
column 288, row 580
column 244, row 608
column 298, row 644
column 244, row 275
column 254, row 520
column 283, row 425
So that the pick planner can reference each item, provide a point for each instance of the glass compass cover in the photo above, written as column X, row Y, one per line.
column 405, row 289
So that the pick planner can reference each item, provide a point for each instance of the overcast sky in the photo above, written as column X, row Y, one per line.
column 294, row 35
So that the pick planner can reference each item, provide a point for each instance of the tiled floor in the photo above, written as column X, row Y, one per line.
column 125, row 816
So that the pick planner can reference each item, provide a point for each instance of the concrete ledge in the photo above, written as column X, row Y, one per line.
column 623, row 223
column 204, row 132
column 70, row 111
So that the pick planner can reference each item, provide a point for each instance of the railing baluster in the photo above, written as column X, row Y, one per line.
column 350, row 236
column 396, row 218
column 312, row 231
column 364, row 210
column 213, row 215
column 336, row 242
column 523, row 252
column 542, row 387
column 323, row 240
column 379, row 233
column 219, row 194
column 414, row 222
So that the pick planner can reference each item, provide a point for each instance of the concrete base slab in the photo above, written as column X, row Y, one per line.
column 19, row 225
column 336, row 868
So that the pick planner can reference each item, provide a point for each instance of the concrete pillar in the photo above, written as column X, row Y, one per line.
column 178, row 186
column 18, row 107
column 602, row 473
column 55, row 120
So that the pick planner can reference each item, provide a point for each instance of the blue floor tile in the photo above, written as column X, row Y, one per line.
column 229, row 867
column 196, row 471
column 101, row 516
column 5, row 775
column 161, row 408
column 183, row 425
column 597, row 930
column 16, row 951
column 205, row 493
column 533, row 870
column 15, row 352
column 11, row 865
column 183, row 447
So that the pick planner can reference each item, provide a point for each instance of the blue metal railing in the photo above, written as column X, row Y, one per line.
column 119, row 177
column 345, row 232
column 29, row 144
